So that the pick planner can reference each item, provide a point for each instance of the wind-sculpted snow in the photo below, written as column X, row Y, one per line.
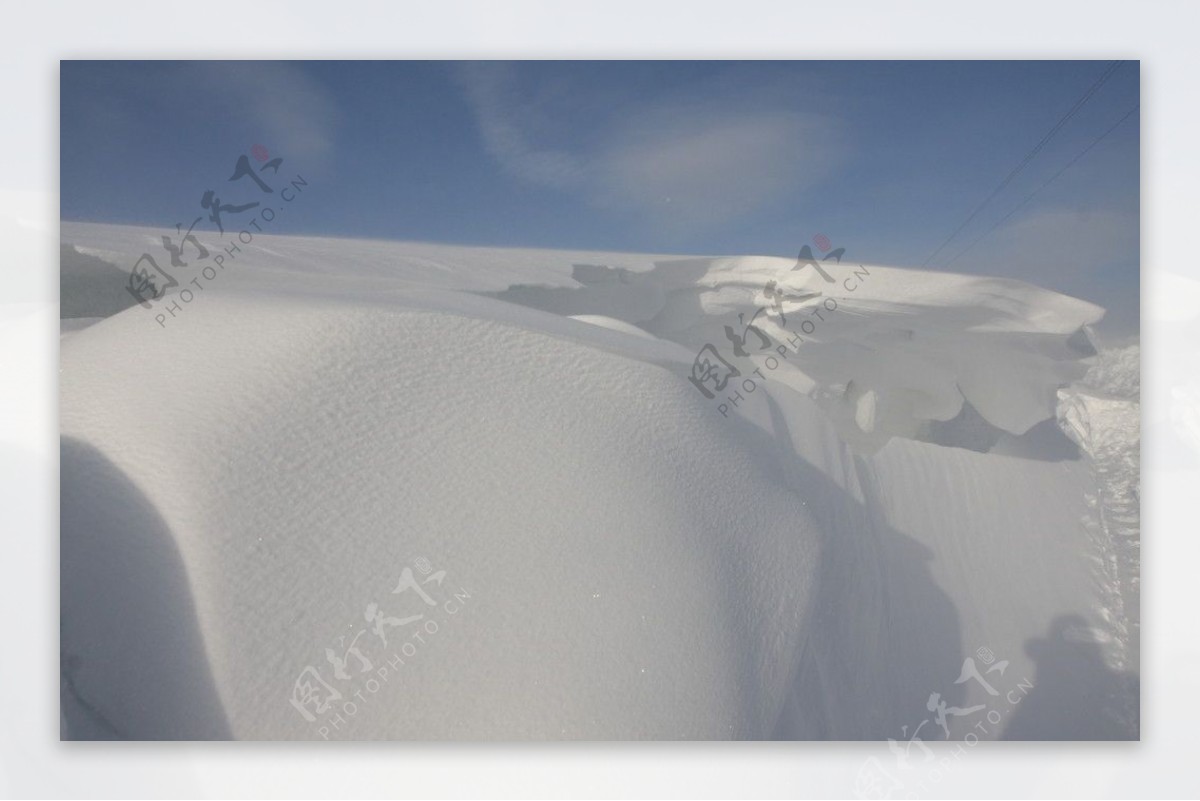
column 357, row 489
column 886, row 352
column 300, row 470
column 1102, row 414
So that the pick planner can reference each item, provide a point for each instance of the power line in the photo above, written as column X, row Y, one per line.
column 1031, row 195
column 1108, row 72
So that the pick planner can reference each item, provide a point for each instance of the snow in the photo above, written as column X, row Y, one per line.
column 1102, row 414
column 623, row 557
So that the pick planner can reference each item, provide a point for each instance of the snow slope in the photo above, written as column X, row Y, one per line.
column 357, row 489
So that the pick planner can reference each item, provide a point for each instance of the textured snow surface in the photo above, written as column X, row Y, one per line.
column 334, row 436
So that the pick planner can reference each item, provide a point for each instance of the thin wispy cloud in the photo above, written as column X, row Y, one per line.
column 293, row 112
column 503, row 120
column 1084, row 253
column 1056, row 244
column 680, row 163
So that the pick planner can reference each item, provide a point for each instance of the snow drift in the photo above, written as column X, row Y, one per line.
column 353, row 489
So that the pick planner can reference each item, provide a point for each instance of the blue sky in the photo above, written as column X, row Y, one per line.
column 884, row 158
